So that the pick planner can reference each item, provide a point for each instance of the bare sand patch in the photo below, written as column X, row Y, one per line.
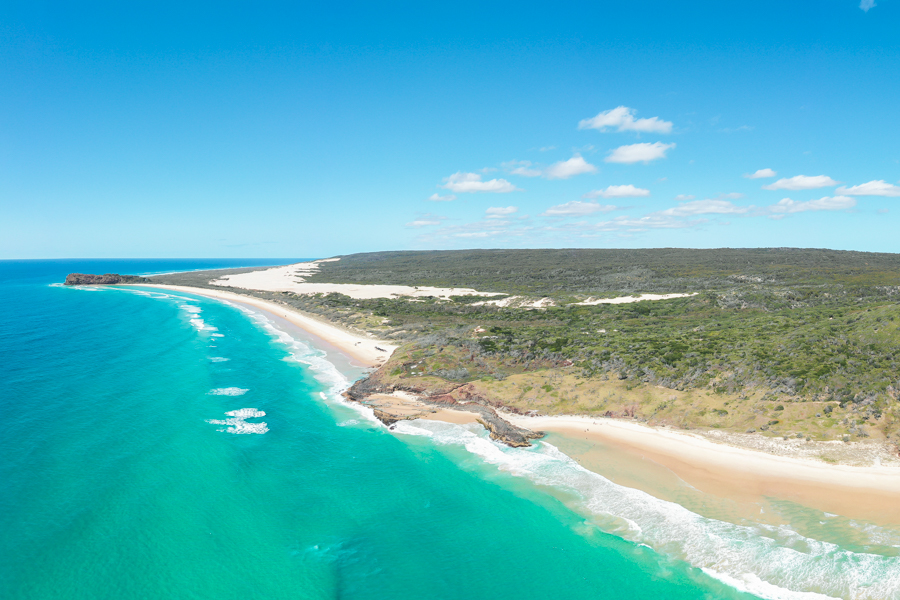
column 630, row 299
column 291, row 278
column 401, row 405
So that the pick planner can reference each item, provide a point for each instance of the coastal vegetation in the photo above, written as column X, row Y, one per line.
column 779, row 342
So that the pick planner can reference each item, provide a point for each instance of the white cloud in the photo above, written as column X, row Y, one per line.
column 577, row 208
column 802, row 182
column 569, row 168
column 622, row 118
column 476, row 234
column 703, row 207
column 633, row 153
column 871, row 188
column 439, row 198
column 426, row 219
column 761, row 174
column 618, row 191
column 788, row 206
column 521, row 167
column 682, row 197
column 652, row 221
column 498, row 212
column 463, row 183
column 865, row 5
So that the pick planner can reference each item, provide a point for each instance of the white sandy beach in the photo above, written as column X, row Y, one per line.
column 739, row 473
column 368, row 351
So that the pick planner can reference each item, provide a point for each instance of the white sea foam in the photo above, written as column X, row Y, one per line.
column 218, row 359
column 238, row 424
column 769, row 561
column 217, row 335
column 323, row 370
column 229, row 391
column 80, row 288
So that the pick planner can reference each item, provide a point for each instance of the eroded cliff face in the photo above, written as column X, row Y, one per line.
column 106, row 279
column 451, row 396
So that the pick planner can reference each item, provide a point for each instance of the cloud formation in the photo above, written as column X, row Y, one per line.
column 761, row 174
column 464, row 183
column 475, row 234
column 651, row 221
column 703, row 207
column 577, row 208
column 618, row 191
column 425, row 220
column 522, row 168
column 865, row 5
column 802, row 182
column 788, row 206
column 439, row 198
column 872, row 188
column 622, row 119
column 569, row 168
column 499, row 212
column 633, row 153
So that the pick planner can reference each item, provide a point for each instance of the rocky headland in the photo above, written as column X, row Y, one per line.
column 461, row 398
column 106, row 279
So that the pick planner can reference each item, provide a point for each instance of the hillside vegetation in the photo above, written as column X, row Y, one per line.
column 788, row 342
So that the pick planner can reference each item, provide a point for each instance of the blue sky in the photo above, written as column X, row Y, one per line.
column 266, row 129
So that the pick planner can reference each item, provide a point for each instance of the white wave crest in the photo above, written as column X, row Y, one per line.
column 229, row 391
column 237, row 423
column 218, row 359
column 316, row 360
column 769, row 561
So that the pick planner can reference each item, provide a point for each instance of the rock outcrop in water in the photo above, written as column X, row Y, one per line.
column 460, row 398
column 107, row 279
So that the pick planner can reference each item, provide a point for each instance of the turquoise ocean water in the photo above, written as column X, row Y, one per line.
column 163, row 445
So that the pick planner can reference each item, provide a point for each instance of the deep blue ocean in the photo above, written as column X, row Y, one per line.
column 162, row 445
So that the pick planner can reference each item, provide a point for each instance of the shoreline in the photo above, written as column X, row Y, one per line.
column 743, row 476
column 369, row 352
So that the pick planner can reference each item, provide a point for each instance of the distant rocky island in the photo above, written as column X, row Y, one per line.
column 106, row 279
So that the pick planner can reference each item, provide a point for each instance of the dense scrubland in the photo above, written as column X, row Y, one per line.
column 787, row 342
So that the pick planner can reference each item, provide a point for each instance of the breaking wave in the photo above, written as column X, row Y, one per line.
column 769, row 561
column 229, row 391
column 316, row 360
column 237, row 423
